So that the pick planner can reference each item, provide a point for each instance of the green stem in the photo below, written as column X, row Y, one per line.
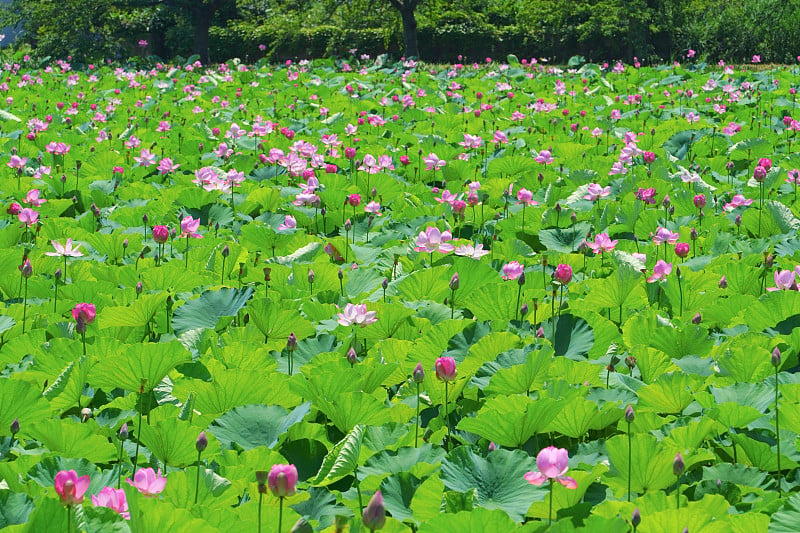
column 280, row 516
column 678, row 494
column 260, row 502
column 358, row 491
column 25, row 305
column 550, row 512
column 778, row 433
column 138, row 435
column 629, row 461
column 446, row 418
column 119, row 464
column 69, row 518
column 197, row 479
column 186, row 256
column 416, row 429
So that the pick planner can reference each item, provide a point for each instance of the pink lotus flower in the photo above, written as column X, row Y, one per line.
column 17, row 161
column 165, row 166
column 28, row 216
column 660, row 271
column 784, row 280
column 160, row 234
column 432, row 162
column 113, row 499
column 189, row 227
column 596, row 192
column 288, row 223
column 552, row 463
column 563, row 274
column 526, row 197
column 148, row 482
column 33, row 199
column 71, row 488
column 432, row 240
column 664, row 235
column 58, row 148
column 354, row 200
column 512, row 270
column 682, row 249
column 602, row 243
column 65, row 250
column 468, row 250
column 282, row 480
column 85, row 312
column 446, row 369
column 356, row 315
column 447, row 197
column 648, row 196
column 737, row 201
column 145, row 158
column 373, row 208
column 544, row 157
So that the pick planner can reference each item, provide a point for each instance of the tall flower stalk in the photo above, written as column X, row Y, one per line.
column 776, row 363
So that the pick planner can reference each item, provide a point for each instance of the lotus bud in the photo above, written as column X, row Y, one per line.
column 26, row 268
column 723, row 282
column 291, row 343
column 419, row 374
column 14, row 427
column 454, row 282
column 58, row 274
column 573, row 217
column 226, row 251
column 523, row 311
column 348, row 225
column 738, row 220
column 492, row 447
column 202, row 442
column 311, row 275
column 123, row 432
column 776, row 357
column 696, row 319
column 374, row 517
column 678, row 466
column 540, row 333
column 521, row 279
column 629, row 414
column 86, row 414
column 769, row 261
column 693, row 234
column 139, row 287
column 636, row 518
column 385, row 283
column 267, row 271
column 352, row 357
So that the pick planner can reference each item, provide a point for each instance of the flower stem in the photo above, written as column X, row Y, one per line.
column 186, row 256
column 260, row 502
column 197, row 480
column 550, row 512
column 25, row 305
column 629, row 461
column 778, row 433
column 69, row 518
column 280, row 516
column 416, row 431
column 446, row 417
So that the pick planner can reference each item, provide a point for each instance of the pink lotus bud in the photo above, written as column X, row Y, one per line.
column 446, row 369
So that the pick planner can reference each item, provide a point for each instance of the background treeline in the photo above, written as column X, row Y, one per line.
column 653, row 30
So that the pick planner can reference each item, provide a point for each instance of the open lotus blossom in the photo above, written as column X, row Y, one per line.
column 85, row 312
column 165, row 166
column 468, row 250
column 65, row 250
column 738, row 200
column 373, row 208
column 432, row 240
column 544, row 157
column 17, row 162
column 648, row 196
column 113, row 499
column 552, row 463
column 148, row 481
column 784, row 281
column 512, row 270
column 288, row 223
column 28, row 216
column 58, row 148
column 189, row 227
column 660, row 271
column 33, row 199
column 432, row 162
column 71, row 488
column 356, row 315
column 664, row 235
column 602, row 243
column 595, row 192
column 526, row 197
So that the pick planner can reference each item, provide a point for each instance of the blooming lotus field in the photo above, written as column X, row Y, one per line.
column 399, row 297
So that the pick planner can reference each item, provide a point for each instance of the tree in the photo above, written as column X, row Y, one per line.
column 406, row 9
column 201, row 13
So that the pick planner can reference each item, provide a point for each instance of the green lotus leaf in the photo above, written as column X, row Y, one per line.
column 251, row 426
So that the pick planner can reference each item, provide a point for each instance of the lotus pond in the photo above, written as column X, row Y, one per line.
column 361, row 295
